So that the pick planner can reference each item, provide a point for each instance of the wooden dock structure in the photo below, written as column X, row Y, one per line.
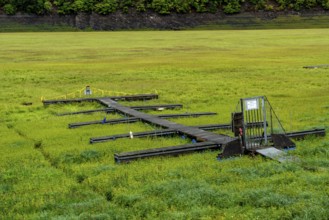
column 204, row 139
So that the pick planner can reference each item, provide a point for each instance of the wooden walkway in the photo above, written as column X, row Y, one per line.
column 193, row 132
column 207, row 140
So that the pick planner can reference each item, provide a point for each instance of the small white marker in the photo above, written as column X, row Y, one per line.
column 131, row 135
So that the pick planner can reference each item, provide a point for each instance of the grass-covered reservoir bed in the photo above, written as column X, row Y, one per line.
column 48, row 171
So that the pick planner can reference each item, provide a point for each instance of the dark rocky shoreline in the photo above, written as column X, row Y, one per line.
column 151, row 20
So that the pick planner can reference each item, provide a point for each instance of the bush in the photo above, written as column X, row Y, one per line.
column 83, row 5
column 64, row 7
column 9, row 9
column 161, row 6
column 140, row 6
column 213, row 5
column 282, row 4
column 2, row 2
column 182, row 6
column 200, row 5
column 325, row 4
column 232, row 7
column 269, row 7
column 259, row 4
column 35, row 7
column 48, row 6
column 106, row 7
column 310, row 3
column 298, row 4
column 124, row 5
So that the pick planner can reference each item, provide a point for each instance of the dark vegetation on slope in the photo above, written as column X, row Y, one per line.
column 164, row 7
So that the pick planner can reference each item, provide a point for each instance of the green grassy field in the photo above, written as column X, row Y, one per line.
column 48, row 171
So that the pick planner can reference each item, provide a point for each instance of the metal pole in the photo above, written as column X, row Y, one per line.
column 258, row 129
column 264, row 112
column 260, row 114
column 248, row 133
column 260, row 119
column 252, row 128
column 243, row 124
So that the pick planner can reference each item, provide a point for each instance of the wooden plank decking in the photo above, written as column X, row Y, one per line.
column 193, row 132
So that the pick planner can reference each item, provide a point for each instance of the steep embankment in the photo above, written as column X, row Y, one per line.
column 162, row 14
column 151, row 20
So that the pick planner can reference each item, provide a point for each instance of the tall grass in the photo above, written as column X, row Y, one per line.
column 50, row 171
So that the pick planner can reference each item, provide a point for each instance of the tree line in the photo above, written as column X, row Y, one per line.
column 104, row 7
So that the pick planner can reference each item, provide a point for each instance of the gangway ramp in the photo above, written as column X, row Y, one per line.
column 276, row 154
